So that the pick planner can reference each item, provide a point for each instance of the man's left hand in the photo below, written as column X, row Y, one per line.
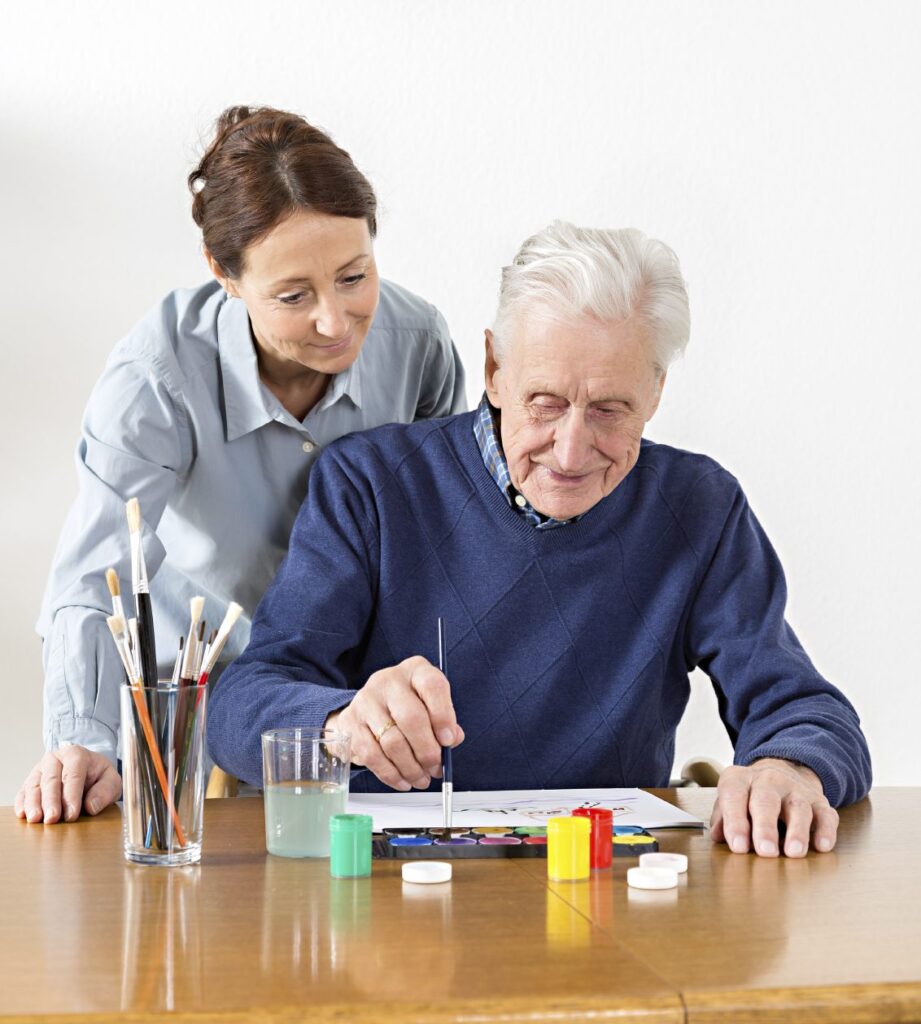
column 750, row 802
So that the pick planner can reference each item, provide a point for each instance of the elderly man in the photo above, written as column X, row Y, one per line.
column 582, row 573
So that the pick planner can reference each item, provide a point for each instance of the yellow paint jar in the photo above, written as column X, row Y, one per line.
column 568, row 843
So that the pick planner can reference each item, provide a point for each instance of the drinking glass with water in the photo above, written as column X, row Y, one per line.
column 305, row 775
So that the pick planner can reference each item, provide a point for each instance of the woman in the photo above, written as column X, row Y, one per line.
column 212, row 412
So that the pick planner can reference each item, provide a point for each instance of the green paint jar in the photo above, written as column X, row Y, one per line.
column 350, row 845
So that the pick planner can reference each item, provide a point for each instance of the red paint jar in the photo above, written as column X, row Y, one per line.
column 602, row 820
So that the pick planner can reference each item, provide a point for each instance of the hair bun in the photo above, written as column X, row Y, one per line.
column 231, row 117
column 229, row 120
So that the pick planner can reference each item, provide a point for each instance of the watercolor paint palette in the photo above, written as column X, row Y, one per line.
column 491, row 841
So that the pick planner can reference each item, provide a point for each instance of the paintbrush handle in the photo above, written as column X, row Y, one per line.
column 148, row 645
column 447, row 760
column 147, row 728
column 447, row 802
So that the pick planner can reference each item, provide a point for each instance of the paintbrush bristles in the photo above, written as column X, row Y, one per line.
column 196, row 607
column 177, row 667
column 133, row 512
column 115, row 590
column 234, row 611
column 116, row 624
column 199, row 649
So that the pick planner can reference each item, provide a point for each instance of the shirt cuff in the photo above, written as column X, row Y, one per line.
column 82, row 732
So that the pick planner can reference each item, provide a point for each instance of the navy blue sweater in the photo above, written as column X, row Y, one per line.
column 568, row 649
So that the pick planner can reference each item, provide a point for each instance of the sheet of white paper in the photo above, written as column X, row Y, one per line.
column 515, row 807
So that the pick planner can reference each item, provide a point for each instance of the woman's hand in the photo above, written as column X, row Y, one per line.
column 399, row 721
column 67, row 780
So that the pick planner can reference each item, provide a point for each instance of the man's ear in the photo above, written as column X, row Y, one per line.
column 227, row 283
column 492, row 371
column 657, row 397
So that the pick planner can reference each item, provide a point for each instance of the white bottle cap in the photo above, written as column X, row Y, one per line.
column 652, row 878
column 676, row 861
column 426, row 872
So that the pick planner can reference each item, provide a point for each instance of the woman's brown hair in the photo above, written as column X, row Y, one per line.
column 262, row 165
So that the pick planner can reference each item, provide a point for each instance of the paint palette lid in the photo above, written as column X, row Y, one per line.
column 427, row 872
column 676, row 861
column 652, row 878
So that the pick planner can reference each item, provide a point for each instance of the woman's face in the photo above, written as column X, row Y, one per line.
column 311, row 289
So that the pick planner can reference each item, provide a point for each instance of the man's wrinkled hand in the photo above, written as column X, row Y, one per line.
column 751, row 801
column 65, row 782
column 399, row 721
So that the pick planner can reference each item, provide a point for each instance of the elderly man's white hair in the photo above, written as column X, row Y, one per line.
column 565, row 272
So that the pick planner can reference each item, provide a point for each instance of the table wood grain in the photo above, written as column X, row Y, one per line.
column 832, row 937
column 246, row 936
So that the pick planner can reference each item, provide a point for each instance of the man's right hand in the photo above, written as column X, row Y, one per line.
column 399, row 721
column 66, row 781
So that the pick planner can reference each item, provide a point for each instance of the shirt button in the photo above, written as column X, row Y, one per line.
column 308, row 446
column 521, row 500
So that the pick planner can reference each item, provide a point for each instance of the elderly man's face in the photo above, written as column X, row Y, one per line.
column 574, row 399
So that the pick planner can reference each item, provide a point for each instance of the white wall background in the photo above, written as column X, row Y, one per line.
column 774, row 145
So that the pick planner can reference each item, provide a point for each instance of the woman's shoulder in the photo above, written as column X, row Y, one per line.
column 177, row 337
column 400, row 309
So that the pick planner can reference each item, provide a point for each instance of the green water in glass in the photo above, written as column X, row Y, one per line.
column 297, row 817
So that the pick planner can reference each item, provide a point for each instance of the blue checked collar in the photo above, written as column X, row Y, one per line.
column 487, row 436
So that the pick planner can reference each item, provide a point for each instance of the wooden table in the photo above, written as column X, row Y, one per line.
column 836, row 937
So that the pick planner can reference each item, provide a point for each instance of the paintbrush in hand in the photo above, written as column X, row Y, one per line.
column 447, row 761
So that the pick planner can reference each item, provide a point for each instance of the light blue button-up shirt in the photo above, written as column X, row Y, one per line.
column 181, row 419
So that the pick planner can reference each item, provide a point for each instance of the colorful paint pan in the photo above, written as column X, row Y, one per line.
column 491, row 830
column 531, row 830
column 424, row 844
column 628, row 830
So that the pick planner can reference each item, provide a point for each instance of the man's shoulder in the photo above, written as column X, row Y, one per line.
column 685, row 478
column 389, row 448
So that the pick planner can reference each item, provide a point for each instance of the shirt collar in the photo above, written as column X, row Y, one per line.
column 248, row 405
column 245, row 407
column 346, row 384
column 487, row 436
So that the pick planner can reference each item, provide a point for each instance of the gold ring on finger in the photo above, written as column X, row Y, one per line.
column 389, row 724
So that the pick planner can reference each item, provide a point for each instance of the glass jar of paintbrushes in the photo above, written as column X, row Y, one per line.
column 162, row 721
column 162, row 772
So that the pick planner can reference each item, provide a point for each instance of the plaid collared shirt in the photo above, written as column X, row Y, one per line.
column 487, row 436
